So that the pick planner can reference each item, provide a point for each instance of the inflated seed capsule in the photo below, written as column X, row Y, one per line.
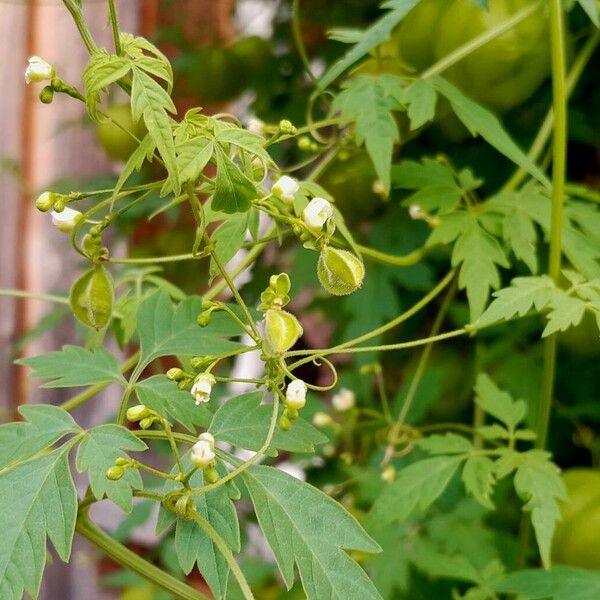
column 282, row 331
column 92, row 297
column 339, row 271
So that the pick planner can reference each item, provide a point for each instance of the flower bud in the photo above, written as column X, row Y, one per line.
column 147, row 422
column 122, row 461
column 184, row 505
column 282, row 331
column 287, row 127
column 175, row 374
column 317, row 212
column 45, row 201
column 256, row 125
column 284, row 422
column 304, row 143
column 285, row 188
column 378, row 188
column 388, row 474
column 204, row 318
column 280, row 284
column 202, row 387
column 38, row 70
column 47, row 95
column 322, row 419
column 137, row 413
column 115, row 473
column 339, row 271
column 295, row 394
column 343, row 400
column 415, row 211
column 202, row 454
column 66, row 219
column 210, row 475
column 207, row 437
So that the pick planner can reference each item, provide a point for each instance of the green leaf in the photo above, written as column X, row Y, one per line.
column 228, row 238
column 165, row 330
column 499, row 403
column 148, row 57
column 592, row 10
column 478, row 254
column 478, row 477
column 560, row 583
column 234, row 192
column 449, row 443
column 519, row 232
column 150, row 101
column 230, row 134
column 373, row 36
column 37, row 500
column 304, row 526
column 144, row 151
column 74, row 366
column 479, row 120
column 524, row 294
column 538, row 482
column 421, row 97
column 192, row 156
column 417, row 486
column 46, row 425
column 566, row 312
column 98, row 451
column 367, row 101
column 162, row 395
column 244, row 422
column 192, row 544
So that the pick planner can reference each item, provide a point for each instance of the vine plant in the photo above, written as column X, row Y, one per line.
column 226, row 175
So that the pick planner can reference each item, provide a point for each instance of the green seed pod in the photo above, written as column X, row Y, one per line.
column 137, row 413
column 92, row 297
column 282, row 331
column 340, row 272
column 115, row 473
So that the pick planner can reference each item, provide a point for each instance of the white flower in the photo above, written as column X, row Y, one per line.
column 38, row 70
column 207, row 437
column 415, row 211
column 202, row 387
column 317, row 212
column 202, row 453
column 343, row 400
column 66, row 219
column 295, row 394
column 255, row 125
column 285, row 188
column 321, row 419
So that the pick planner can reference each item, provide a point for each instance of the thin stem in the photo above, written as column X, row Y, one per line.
column 226, row 553
column 174, row 449
column 136, row 563
column 489, row 35
column 75, row 9
column 114, row 23
column 34, row 296
column 298, row 41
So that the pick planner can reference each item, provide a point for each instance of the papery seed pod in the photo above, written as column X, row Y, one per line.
column 92, row 297
column 339, row 271
column 282, row 331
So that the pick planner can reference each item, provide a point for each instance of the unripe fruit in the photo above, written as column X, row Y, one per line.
column 92, row 297
column 112, row 132
column 340, row 272
column 282, row 331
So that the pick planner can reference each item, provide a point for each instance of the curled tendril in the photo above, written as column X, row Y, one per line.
column 311, row 386
column 312, row 128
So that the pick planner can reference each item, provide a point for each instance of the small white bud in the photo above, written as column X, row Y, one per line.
column 202, row 453
column 378, row 188
column 415, row 211
column 317, row 213
column 38, row 70
column 202, row 388
column 295, row 394
column 285, row 188
column 343, row 400
column 66, row 219
column 207, row 437
column 255, row 125
column 321, row 419
column 389, row 474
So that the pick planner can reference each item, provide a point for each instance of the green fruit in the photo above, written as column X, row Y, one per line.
column 340, row 272
column 118, row 144
column 576, row 540
column 282, row 331
column 216, row 74
column 92, row 297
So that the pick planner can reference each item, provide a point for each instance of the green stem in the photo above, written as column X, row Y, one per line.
column 136, row 563
column 487, row 36
column 75, row 9
column 34, row 296
column 114, row 23
column 298, row 41
column 226, row 553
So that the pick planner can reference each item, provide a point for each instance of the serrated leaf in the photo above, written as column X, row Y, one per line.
column 46, row 425
column 304, row 526
column 538, row 482
column 162, row 395
column 37, row 500
column 449, row 443
column 519, row 232
column 373, row 36
column 479, row 120
column 144, row 151
column 566, row 312
column 417, row 486
column 192, row 156
column 524, row 294
column 478, row 254
column 244, row 139
column 148, row 57
column 560, row 583
column 234, row 192
column 98, row 451
column 479, row 480
column 74, row 366
column 367, row 101
column 449, row 229
column 244, row 422
column 499, row 403
column 421, row 98
column 165, row 330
